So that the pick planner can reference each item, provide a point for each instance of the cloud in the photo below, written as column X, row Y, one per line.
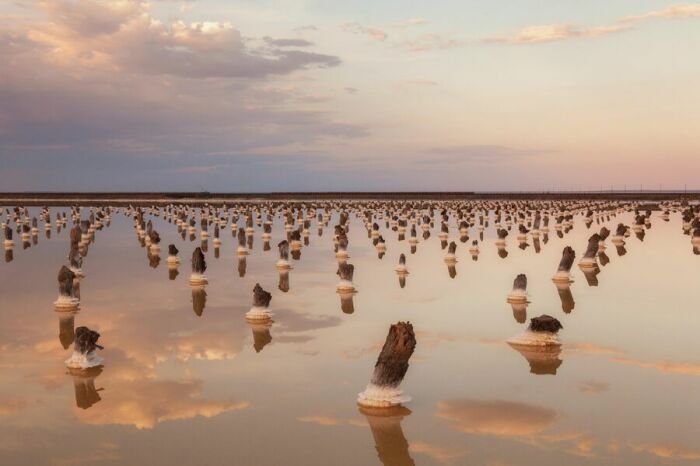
column 431, row 340
column 553, row 33
column 11, row 407
column 582, row 447
column 363, row 351
column 91, row 17
column 149, row 338
column 288, row 42
column 673, row 11
column 497, row 418
column 102, row 452
column 667, row 451
column 421, row 43
column 666, row 367
column 440, row 454
column 135, row 393
column 123, row 35
column 592, row 387
column 591, row 348
column 331, row 421
column 411, row 84
column 307, row 28
column 428, row 42
column 373, row 32
column 410, row 22
column 140, row 97
column 564, row 31
column 472, row 153
column 145, row 403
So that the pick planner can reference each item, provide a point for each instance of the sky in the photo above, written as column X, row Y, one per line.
column 321, row 95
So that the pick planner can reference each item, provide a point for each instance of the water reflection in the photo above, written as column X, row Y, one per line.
column 591, row 275
column 402, row 280
column 519, row 311
column 153, row 260
column 621, row 250
column 155, row 352
column 346, row 301
column 86, row 395
column 66, row 329
column 389, row 439
column 283, row 283
column 199, row 300
column 242, row 265
column 261, row 334
column 542, row 360
column 566, row 297
column 496, row 418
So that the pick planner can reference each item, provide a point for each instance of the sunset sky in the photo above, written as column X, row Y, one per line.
column 293, row 95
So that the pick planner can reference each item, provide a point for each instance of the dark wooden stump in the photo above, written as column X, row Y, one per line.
column 392, row 363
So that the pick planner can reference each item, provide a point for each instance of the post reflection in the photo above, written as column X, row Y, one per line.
column 86, row 395
column 567, row 299
column 242, row 265
column 199, row 300
column 283, row 283
column 591, row 275
column 519, row 311
column 543, row 360
column 347, row 304
column 261, row 333
column 389, row 439
column 66, row 329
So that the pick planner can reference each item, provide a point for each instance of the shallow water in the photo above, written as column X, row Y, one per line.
column 212, row 389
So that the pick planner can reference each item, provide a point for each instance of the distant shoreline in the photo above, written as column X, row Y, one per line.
column 160, row 198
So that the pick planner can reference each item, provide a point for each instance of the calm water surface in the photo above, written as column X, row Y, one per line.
column 211, row 389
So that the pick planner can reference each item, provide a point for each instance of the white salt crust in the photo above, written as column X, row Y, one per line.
column 83, row 361
column 258, row 313
column 381, row 397
column 530, row 338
